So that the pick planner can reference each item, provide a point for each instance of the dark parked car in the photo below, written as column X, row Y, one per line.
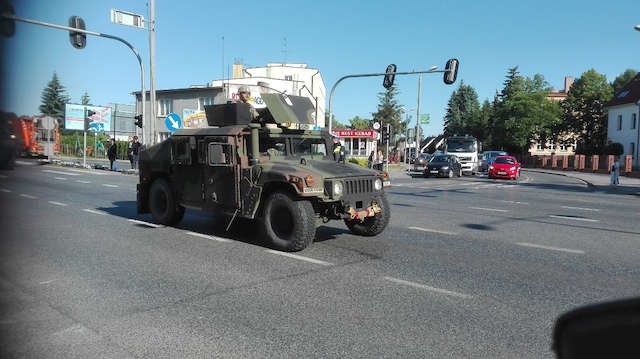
column 444, row 166
column 419, row 164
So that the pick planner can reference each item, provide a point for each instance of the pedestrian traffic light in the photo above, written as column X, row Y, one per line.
column 451, row 71
column 138, row 120
column 78, row 39
column 88, row 120
column 390, row 76
column 8, row 26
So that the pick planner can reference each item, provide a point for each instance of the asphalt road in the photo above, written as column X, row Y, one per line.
column 468, row 267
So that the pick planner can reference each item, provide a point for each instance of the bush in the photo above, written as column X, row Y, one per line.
column 614, row 148
column 359, row 161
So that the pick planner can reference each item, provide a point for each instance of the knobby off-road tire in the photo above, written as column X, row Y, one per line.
column 372, row 226
column 289, row 225
column 162, row 203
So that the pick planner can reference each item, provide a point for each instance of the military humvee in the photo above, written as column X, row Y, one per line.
column 276, row 170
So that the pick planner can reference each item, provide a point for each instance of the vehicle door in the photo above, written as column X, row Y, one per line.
column 222, row 179
column 187, row 179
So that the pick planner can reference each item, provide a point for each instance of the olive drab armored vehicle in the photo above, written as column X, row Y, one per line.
column 276, row 170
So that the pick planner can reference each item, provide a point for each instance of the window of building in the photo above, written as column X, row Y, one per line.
column 539, row 147
column 632, row 147
column 564, row 147
column 634, row 119
column 204, row 101
column 164, row 107
column 619, row 122
column 288, row 77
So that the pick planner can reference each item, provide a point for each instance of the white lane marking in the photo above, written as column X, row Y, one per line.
column 302, row 258
column 433, row 231
column 3, row 176
column 58, row 203
column 206, row 236
column 94, row 211
column 88, row 172
column 581, row 208
column 60, row 178
column 514, row 202
column 429, row 288
column 575, row 218
column 81, row 181
column 152, row 225
column 5, row 190
column 110, row 185
column 24, row 163
column 28, row 196
column 48, row 281
column 489, row 209
column 524, row 244
column 61, row 173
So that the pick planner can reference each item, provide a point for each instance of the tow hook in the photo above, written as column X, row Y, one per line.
column 361, row 215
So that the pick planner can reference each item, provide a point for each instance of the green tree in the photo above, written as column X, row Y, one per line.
column 358, row 123
column 54, row 98
column 584, row 114
column 85, row 100
column 623, row 79
column 522, row 113
column 389, row 112
column 463, row 113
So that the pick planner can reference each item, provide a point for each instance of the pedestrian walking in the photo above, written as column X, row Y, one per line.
column 380, row 161
column 112, row 153
column 370, row 159
column 615, row 172
column 130, row 151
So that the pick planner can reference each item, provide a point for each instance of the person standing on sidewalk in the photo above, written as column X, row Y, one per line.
column 615, row 172
column 135, row 151
column 112, row 153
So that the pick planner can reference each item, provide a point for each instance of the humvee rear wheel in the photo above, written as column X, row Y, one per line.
column 162, row 203
column 289, row 225
column 371, row 226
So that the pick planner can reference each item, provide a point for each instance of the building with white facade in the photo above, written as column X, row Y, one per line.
column 624, row 111
column 188, row 103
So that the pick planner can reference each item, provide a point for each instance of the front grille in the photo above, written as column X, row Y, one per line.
column 355, row 186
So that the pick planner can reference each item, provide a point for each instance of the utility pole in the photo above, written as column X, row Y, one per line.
column 152, row 71
column 418, row 115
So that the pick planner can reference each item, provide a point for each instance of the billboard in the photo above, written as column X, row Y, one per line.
column 74, row 117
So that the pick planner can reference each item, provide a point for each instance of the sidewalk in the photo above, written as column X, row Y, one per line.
column 122, row 166
column 597, row 181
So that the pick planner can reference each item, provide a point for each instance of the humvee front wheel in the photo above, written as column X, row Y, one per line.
column 162, row 203
column 289, row 225
column 371, row 226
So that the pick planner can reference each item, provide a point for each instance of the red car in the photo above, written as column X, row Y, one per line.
column 505, row 167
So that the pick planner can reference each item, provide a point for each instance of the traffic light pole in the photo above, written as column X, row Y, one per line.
column 92, row 33
column 372, row 75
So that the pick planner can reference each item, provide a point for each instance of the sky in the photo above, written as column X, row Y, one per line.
column 197, row 41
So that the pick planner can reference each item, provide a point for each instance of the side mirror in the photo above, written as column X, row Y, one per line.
column 450, row 71
column 605, row 330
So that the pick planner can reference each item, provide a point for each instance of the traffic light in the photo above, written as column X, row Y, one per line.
column 390, row 76
column 138, row 120
column 8, row 26
column 78, row 39
column 88, row 120
column 384, row 133
column 451, row 71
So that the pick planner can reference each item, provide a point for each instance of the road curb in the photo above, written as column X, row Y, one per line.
column 589, row 184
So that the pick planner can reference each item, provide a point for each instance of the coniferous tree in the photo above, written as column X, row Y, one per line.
column 389, row 112
column 85, row 100
column 54, row 98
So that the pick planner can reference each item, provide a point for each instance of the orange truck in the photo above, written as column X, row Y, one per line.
column 31, row 138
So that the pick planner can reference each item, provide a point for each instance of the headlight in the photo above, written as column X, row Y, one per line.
column 512, row 168
column 377, row 184
column 490, row 167
column 445, row 168
column 337, row 189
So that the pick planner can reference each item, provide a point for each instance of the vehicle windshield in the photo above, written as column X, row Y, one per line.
column 440, row 159
column 505, row 160
column 309, row 147
column 461, row 145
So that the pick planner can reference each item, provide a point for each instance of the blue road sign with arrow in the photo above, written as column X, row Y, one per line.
column 173, row 122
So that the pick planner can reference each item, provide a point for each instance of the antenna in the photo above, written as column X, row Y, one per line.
column 284, row 49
